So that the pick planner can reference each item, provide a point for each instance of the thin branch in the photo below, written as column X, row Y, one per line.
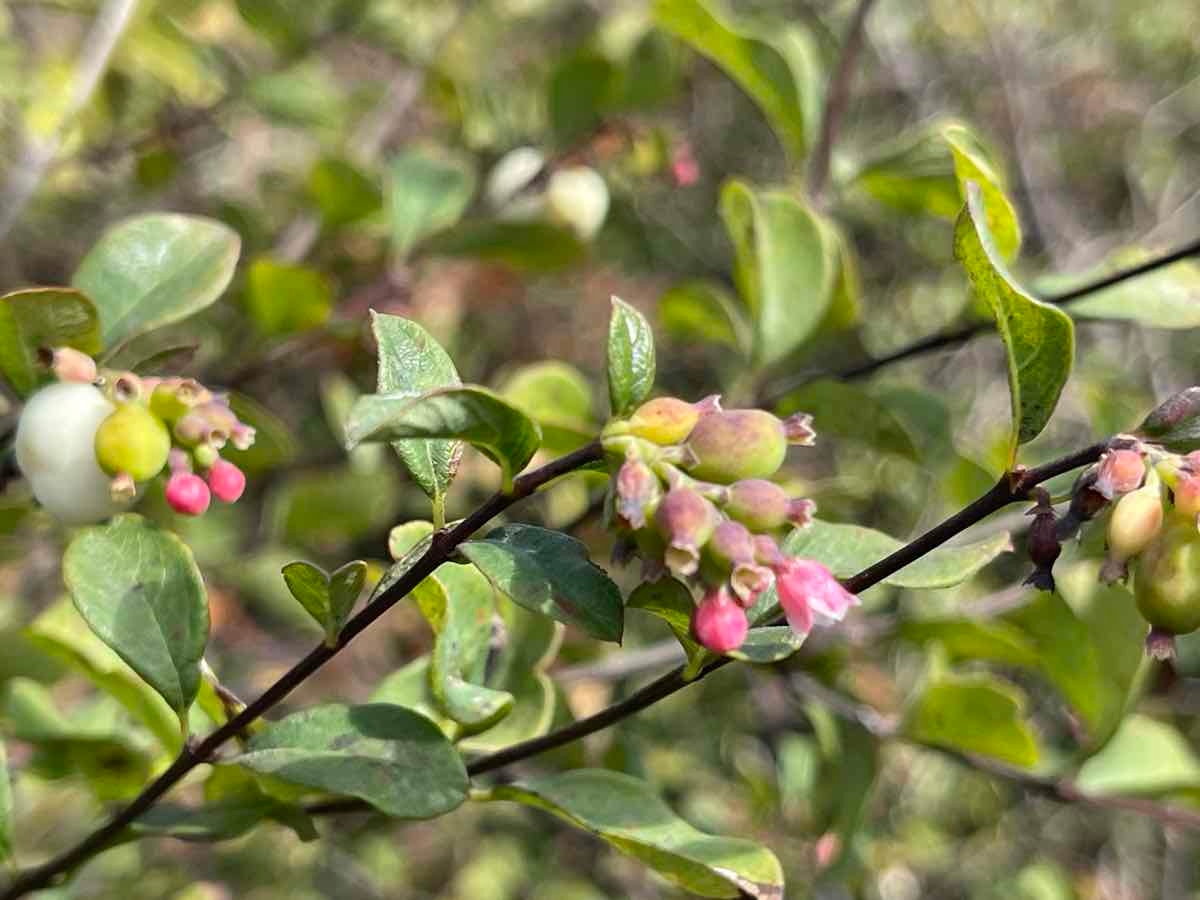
column 441, row 548
column 94, row 55
column 1010, row 488
column 961, row 335
column 837, row 98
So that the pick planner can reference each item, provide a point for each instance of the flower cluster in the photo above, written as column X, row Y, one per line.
column 90, row 442
column 1153, row 533
column 691, row 493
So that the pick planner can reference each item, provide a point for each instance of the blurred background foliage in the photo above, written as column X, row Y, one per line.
column 352, row 144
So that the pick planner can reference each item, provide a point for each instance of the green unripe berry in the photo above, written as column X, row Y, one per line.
column 669, row 420
column 132, row 440
column 1167, row 580
column 737, row 444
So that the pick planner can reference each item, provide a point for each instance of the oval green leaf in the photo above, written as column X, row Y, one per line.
column 152, row 270
column 549, row 572
column 629, row 815
column 411, row 362
column 973, row 714
column 472, row 414
column 778, row 71
column 972, row 164
column 1039, row 339
column 427, row 192
column 848, row 549
column 631, row 363
column 39, row 318
column 393, row 758
column 787, row 266
column 138, row 588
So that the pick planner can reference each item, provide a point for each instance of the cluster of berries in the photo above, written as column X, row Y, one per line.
column 1153, row 533
column 88, row 443
column 691, row 494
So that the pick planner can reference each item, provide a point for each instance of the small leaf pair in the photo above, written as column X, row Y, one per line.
column 328, row 598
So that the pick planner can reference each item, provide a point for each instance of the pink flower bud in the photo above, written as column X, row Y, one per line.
column 178, row 460
column 684, row 168
column 737, row 444
column 187, row 494
column 718, row 623
column 767, row 552
column 762, row 505
column 810, row 594
column 686, row 520
column 638, row 492
column 69, row 364
column 226, row 481
column 1120, row 472
column 1187, row 496
column 729, row 554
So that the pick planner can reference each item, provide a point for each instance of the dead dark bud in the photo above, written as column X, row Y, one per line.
column 1172, row 412
column 1044, row 546
column 1086, row 504
column 1160, row 644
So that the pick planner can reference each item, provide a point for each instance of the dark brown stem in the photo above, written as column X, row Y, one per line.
column 954, row 338
column 442, row 547
column 1010, row 488
column 837, row 98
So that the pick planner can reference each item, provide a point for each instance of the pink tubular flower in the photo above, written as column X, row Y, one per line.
column 226, row 481
column 809, row 594
column 719, row 623
column 187, row 494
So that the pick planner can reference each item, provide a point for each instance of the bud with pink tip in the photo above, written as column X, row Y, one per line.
column 767, row 552
column 1120, row 472
column 718, row 623
column 686, row 520
column 737, row 444
column 762, row 505
column 810, row 594
column 69, row 364
column 669, row 420
column 226, row 481
column 1187, row 497
column 638, row 492
column 187, row 494
column 729, row 554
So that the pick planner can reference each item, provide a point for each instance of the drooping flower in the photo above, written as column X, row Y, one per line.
column 809, row 594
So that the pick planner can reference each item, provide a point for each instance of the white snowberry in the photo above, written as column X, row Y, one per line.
column 578, row 197
column 55, row 447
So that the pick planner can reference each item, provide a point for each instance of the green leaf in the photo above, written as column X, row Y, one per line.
column 525, row 246
column 393, row 758
column 973, row 714
column 460, row 652
column 534, row 703
column 629, row 815
column 59, row 632
column 778, row 70
column 971, row 164
column 1039, row 339
column 557, row 397
column 39, row 318
column 787, row 266
column 153, row 270
column 329, row 599
column 6, row 812
column 549, row 572
column 138, row 588
column 768, row 645
column 409, row 687
column 699, row 311
column 580, row 90
column 848, row 549
column 631, row 363
column 671, row 600
column 849, row 413
column 342, row 192
column 1145, row 756
column 427, row 193
column 412, row 362
column 914, row 174
column 220, row 821
column 1165, row 298
column 284, row 299
column 472, row 414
